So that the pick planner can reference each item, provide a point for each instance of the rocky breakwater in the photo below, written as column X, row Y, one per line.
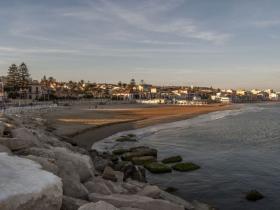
column 40, row 171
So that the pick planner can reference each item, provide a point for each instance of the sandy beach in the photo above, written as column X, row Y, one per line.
column 83, row 124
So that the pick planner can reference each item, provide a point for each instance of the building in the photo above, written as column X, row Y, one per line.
column 274, row 96
column 241, row 92
column 255, row 91
column 2, row 92
column 225, row 100
column 34, row 90
column 153, row 90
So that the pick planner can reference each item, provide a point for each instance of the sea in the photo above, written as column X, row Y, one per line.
column 238, row 150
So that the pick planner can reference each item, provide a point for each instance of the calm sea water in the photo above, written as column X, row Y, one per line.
column 238, row 150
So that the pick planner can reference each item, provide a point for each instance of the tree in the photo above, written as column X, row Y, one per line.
column 132, row 82
column 12, row 85
column 23, row 76
column 12, row 78
column 44, row 81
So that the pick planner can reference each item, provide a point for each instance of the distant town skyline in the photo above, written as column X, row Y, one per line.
column 225, row 44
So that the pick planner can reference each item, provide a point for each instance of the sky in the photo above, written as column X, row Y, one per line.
column 219, row 43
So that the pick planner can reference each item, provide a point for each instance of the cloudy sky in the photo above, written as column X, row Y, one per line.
column 228, row 44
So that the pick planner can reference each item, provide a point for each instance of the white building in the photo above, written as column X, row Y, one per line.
column 225, row 100
column 152, row 101
column 34, row 91
column 273, row 96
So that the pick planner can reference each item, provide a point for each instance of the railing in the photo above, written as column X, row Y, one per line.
column 29, row 109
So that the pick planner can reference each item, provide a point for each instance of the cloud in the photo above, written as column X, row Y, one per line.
column 266, row 23
column 180, row 26
column 36, row 50
column 148, row 17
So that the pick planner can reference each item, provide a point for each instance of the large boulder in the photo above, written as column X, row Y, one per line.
column 69, row 203
column 112, row 175
column 133, row 187
column 100, row 205
column 81, row 164
column 46, row 163
column 5, row 149
column 40, row 152
column 202, row 206
column 98, row 185
column 22, row 138
column 2, row 128
column 135, row 201
column 174, row 199
column 150, row 191
column 25, row 186
column 116, row 187
column 74, row 169
column 15, row 144
column 24, row 134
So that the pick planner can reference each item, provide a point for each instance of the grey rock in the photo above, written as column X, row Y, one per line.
column 100, row 205
column 202, row 206
column 137, row 173
column 98, row 185
column 69, row 203
column 5, row 149
column 81, row 164
column 150, row 191
column 40, row 152
column 112, row 175
column 116, row 187
column 46, row 163
column 26, row 135
column 25, row 186
column 135, row 201
column 15, row 144
column 100, row 164
column 174, row 199
column 74, row 169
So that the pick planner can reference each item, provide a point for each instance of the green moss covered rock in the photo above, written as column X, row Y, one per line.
column 139, row 152
column 143, row 160
column 254, row 195
column 126, row 139
column 172, row 159
column 184, row 167
column 114, row 159
column 157, row 168
column 119, row 151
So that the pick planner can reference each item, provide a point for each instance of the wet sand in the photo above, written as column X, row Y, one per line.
column 83, row 125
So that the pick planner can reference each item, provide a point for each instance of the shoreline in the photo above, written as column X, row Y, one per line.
column 87, row 137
